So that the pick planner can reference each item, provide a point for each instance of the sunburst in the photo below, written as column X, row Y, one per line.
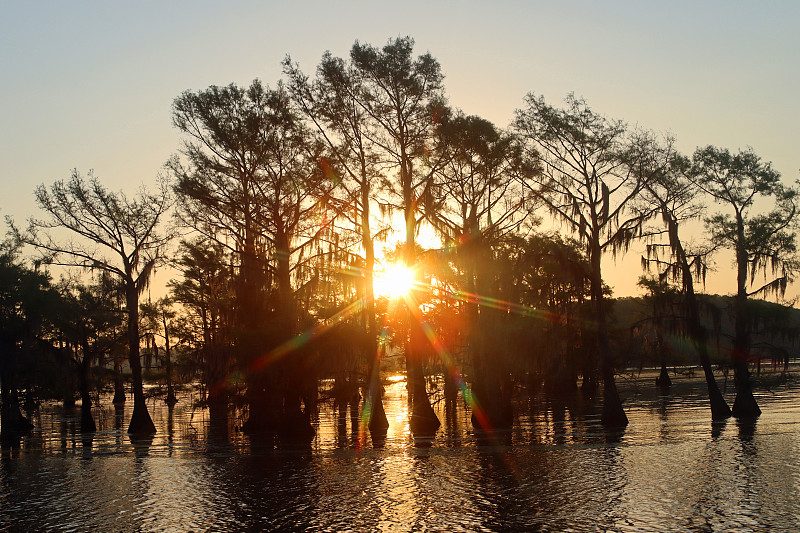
column 395, row 281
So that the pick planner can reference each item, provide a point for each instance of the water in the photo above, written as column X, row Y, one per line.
column 558, row 470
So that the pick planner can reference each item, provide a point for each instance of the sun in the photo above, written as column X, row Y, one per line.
column 394, row 281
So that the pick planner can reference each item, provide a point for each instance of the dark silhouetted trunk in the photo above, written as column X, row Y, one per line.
column 296, row 425
column 141, row 423
column 589, row 384
column 562, row 377
column 68, row 379
column 87, row 420
column 450, row 388
column 215, row 360
column 423, row 418
column 694, row 327
column 613, row 414
column 492, row 410
column 263, row 394
column 170, row 399
column 215, row 373
column 663, row 380
column 719, row 407
column 745, row 405
column 373, row 400
column 11, row 418
column 491, row 383
column 119, row 384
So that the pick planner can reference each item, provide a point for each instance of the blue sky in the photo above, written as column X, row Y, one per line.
column 89, row 85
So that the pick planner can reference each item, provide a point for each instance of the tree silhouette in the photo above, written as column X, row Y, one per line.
column 402, row 97
column 763, row 241
column 89, row 321
column 330, row 102
column 587, row 185
column 677, row 199
column 159, row 319
column 476, row 205
column 551, row 275
column 253, row 183
column 206, row 294
column 112, row 234
column 26, row 300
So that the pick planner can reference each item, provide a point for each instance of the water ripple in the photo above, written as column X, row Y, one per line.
column 558, row 470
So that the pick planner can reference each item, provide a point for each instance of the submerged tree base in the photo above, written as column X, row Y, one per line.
column 292, row 429
column 141, row 423
column 378, row 423
column 613, row 413
column 12, row 421
column 719, row 407
column 119, row 397
column 296, row 429
column 613, row 417
column 87, row 420
column 663, row 380
column 423, row 420
column 589, row 386
column 745, row 405
column 495, row 415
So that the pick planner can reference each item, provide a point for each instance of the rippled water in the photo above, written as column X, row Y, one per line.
column 670, row 470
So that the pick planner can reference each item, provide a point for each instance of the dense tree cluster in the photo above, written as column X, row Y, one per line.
column 285, row 195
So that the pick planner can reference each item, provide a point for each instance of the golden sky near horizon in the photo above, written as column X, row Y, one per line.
column 89, row 85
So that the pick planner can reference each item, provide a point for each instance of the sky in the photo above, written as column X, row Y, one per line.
column 89, row 85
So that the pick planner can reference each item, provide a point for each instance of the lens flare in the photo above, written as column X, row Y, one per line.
column 395, row 281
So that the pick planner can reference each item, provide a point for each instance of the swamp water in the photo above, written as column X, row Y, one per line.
column 671, row 469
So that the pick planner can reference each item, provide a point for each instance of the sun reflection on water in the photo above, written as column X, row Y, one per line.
column 395, row 401
column 560, row 471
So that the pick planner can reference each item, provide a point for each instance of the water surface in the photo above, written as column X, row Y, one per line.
column 671, row 469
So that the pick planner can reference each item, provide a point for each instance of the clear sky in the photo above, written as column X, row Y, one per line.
column 89, row 85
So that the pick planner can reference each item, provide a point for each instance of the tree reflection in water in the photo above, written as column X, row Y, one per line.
column 557, row 469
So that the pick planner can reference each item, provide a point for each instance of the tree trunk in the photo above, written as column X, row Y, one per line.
column 491, row 387
column 373, row 401
column 119, row 385
column 87, row 420
column 450, row 388
column 141, row 423
column 719, row 407
column 11, row 418
column 562, row 377
column 695, row 329
column 263, row 394
column 663, row 380
column 296, row 424
column 745, row 405
column 613, row 414
column 170, row 399
column 423, row 418
column 589, row 385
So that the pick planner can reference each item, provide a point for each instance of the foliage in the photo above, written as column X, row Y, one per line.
column 285, row 192
column 588, row 183
column 114, row 235
column 27, row 310
column 763, row 240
